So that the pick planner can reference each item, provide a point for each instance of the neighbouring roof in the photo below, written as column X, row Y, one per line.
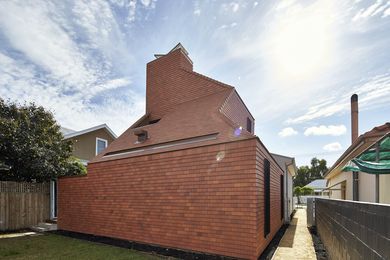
column 317, row 185
column 66, row 131
column 286, row 162
column 361, row 144
column 69, row 133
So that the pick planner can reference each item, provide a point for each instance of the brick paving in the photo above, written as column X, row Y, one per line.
column 297, row 242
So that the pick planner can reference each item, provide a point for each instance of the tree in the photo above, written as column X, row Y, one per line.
column 298, row 193
column 318, row 168
column 306, row 174
column 302, row 177
column 32, row 147
column 307, row 191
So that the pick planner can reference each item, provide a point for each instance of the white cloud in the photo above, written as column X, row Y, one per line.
column 288, row 131
column 230, row 7
column 146, row 2
column 67, row 62
column 197, row 12
column 285, row 4
column 255, row 4
column 332, row 147
column 376, row 8
column 372, row 92
column 334, row 130
column 386, row 13
column 31, row 31
column 235, row 7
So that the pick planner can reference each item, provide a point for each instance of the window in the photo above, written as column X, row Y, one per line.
column 249, row 125
column 267, row 199
column 101, row 144
column 282, row 196
column 142, row 135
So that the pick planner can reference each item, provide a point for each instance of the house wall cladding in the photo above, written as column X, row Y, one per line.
column 353, row 230
column 205, row 199
column 235, row 110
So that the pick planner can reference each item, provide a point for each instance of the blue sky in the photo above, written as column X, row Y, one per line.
column 295, row 63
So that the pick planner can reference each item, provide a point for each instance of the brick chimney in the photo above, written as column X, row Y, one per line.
column 163, row 80
column 170, row 80
column 354, row 117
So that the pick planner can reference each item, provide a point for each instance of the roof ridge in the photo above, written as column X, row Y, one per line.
column 91, row 129
column 209, row 79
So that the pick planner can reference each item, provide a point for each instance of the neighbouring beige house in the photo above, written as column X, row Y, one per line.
column 290, row 169
column 89, row 142
column 359, row 186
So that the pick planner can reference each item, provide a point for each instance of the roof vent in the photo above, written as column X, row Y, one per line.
column 142, row 135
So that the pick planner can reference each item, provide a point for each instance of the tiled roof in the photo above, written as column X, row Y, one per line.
column 198, row 117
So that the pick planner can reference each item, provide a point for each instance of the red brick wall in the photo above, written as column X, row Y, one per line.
column 236, row 111
column 171, row 81
column 276, row 214
column 182, row 199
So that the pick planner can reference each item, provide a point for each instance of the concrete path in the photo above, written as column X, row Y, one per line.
column 19, row 234
column 296, row 242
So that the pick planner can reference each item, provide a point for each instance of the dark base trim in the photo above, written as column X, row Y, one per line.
column 177, row 253
column 270, row 249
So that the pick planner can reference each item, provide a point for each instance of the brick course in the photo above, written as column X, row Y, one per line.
column 184, row 199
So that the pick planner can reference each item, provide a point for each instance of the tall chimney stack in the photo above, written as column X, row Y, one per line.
column 354, row 117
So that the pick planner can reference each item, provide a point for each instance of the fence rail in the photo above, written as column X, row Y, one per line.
column 23, row 205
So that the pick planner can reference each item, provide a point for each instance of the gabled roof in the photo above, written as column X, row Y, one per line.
column 193, row 119
column 361, row 144
column 317, row 185
column 68, row 133
column 285, row 162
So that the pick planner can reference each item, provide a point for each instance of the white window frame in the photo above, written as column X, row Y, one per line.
column 96, row 144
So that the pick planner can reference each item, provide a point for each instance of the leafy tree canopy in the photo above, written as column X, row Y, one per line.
column 32, row 147
column 306, row 174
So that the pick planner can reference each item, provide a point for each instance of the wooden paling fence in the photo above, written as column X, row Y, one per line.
column 23, row 204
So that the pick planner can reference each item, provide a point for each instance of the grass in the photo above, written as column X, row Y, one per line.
column 50, row 246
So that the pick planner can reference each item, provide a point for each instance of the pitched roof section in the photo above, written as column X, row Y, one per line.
column 184, row 109
column 73, row 133
column 317, row 185
column 66, row 131
column 361, row 144
column 285, row 162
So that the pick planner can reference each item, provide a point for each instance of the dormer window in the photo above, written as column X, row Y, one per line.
column 101, row 144
column 249, row 125
column 142, row 135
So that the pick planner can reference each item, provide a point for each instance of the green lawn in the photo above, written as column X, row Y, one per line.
column 50, row 246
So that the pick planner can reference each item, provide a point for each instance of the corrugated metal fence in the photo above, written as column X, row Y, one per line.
column 23, row 205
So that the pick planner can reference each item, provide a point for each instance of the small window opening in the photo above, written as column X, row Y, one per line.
column 249, row 125
column 267, row 197
column 142, row 135
column 154, row 121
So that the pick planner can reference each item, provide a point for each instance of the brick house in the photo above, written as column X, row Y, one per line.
column 190, row 174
